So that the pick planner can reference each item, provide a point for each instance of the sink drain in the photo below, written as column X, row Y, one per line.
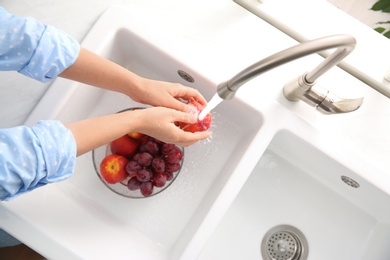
column 184, row 75
column 284, row 242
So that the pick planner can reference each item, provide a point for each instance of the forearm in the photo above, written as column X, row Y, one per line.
column 92, row 133
column 94, row 70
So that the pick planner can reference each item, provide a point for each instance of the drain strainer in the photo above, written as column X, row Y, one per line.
column 283, row 246
column 284, row 243
column 187, row 77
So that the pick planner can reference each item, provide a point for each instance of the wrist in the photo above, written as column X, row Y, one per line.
column 134, row 120
column 131, row 84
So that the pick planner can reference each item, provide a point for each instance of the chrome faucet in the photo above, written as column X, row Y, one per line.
column 303, row 88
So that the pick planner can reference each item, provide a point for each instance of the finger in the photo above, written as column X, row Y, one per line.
column 198, row 97
column 188, row 93
column 202, row 135
column 191, row 138
column 178, row 105
column 185, row 117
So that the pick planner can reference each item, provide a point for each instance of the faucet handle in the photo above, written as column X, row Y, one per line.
column 333, row 104
column 322, row 99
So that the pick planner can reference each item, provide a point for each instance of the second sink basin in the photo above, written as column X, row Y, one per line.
column 333, row 213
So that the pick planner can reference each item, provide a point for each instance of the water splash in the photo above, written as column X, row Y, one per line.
column 214, row 102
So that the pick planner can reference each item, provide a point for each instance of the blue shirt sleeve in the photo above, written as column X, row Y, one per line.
column 33, row 49
column 33, row 157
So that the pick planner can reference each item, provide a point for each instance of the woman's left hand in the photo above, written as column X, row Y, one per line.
column 165, row 94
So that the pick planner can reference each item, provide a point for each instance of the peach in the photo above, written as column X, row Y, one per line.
column 113, row 168
column 125, row 146
column 200, row 125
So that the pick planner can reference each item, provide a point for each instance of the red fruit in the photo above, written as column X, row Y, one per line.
column 144, row 175
column 151, row 147
column 124, row 146
column 144, row 159
column 174, row 156
column 144, row 139
column 200, row 125
column 146, row 188
column 133, row 184
column 158, row 164
column 135, row 135
column 172, row 167
column 133, row 167
column 169, row 175
column 159, row 179
column 166, row 148
column 113, row 168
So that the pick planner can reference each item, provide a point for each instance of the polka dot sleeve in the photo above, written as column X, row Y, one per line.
column 33, row 157
column 33, row 49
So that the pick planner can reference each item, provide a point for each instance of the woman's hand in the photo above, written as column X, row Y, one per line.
column 159, row 122
column 165, row 94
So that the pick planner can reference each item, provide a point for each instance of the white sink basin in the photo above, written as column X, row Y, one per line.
column 295, row 184
column 263, row 167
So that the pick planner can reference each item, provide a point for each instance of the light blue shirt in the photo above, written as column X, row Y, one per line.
column 33, row 49
column 33, row 157
column 45, row 153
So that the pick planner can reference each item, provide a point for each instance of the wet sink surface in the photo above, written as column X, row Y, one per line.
column 295, row 184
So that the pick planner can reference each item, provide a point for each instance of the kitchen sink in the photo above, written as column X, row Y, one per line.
column 266, row 174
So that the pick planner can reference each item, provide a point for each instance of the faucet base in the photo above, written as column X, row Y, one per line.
column 296, row 88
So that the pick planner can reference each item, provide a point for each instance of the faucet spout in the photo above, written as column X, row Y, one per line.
column 296, row 91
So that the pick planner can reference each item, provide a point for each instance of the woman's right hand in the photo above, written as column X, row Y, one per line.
column 159, row 122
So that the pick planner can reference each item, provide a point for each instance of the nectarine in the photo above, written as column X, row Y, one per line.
column 113, row 168
column 125, row 146
column 200, row 125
